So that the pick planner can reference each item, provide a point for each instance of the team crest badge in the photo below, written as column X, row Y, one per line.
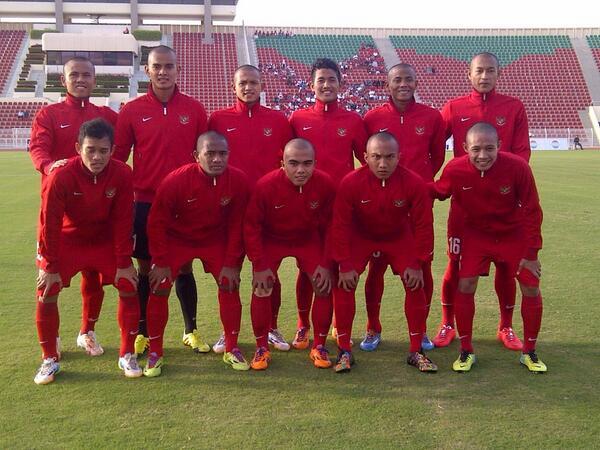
column 184, row 120
column 110, row 192
column 504, row 190
column 420, row 130
column 314, row 205
column 268, row 131
column 341, row 131
column 225, row 201
column 399, row 203
column 501, row 121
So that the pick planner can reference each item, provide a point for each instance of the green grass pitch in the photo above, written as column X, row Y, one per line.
column 382, row 403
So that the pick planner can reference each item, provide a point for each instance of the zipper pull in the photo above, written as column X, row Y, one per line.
column 164, row 110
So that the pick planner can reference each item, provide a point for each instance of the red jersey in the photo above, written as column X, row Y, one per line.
column 381, row 211
column 196, row 210
column 55, row 129
column 256, row 137
column 163, row 137
column 506, row 114
column 282, row 212
column 502, row 200
column 337, row 135
column 84, row 209
column 420, row 132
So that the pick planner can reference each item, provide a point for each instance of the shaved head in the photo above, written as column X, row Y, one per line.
column 298, row 144
column 382, row 137
column 482, row 128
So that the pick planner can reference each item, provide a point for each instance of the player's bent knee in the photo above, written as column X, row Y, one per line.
column 467, row 285
column 162, row 292
column 530, row 291
column 263, row 293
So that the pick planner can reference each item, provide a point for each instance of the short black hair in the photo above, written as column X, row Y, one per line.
column 211, row 136
column 325, row 63
column 96, row 128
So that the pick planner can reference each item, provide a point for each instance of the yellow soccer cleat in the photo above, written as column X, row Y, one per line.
column 464, row 362
column 142, row 343
column 194, row 341
column 532, row 362
column 153, row 366
column 236, row 360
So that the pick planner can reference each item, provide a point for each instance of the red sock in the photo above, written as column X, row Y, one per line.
column 344, row 306
column 531, row 311
column 47, row 321
column 92, row 296
column 449, row 289
column 506, row 289
column 464, row 307
column 157, row 315
column 322, row 311
column 427, row 288
column 304, row 299
column 128, row 316
column 414, row 310
column 275, row 303
column 230, row 309
column 374, row 292
column 259, row 313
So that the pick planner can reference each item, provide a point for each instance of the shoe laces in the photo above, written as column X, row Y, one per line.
column 132, row 362
column 301, row 334
column 464, row 355
column 323, row 352
column 47, row 366
column 237, row 354
column 276, row 335
column 445, row 330
column 371, row 335
column 533, row 356
column 260, row 353
column 152, row 360
column 510, row 334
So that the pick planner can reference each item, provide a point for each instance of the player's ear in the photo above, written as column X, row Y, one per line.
column 112, row 149
column 465, row 147
column 78, row 148
column 63, row 80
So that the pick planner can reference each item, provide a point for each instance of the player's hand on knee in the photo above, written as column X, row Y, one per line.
column 413, row 278
column 157, row 275
column 229, row 279
column 263, row 282
column 127, row 275
column 348, row 280
column 49, row 284
column 321, row 281
column 534, row 266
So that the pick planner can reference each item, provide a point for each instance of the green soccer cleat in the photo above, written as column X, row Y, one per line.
column 142, row 343
column 194, row 341
column 532, row 362
column 464, row 362
column 153, row 365
column 236, row 360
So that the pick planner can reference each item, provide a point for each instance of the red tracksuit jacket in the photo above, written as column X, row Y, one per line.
column 378, row 212
column 499, row 201
column 505, row 113
column 419, row 130
column 256, row 137
column 163, row 138
column 335, row 133
column 85, row 209
column 282, row 212
column 199, row 210
column 56, row 127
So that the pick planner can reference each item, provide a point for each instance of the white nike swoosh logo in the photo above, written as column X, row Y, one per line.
column 531, row 339
column 414, row 334
column 146, row 119
column 153, row 337
column 279, row 206
column 231, row 129
column 134, row 333
column 190, row 200
column 77, row 193
column 65, row 125
column 466, row 188
column 381, row 130
column 464, row 119
column 462, row 337
column 306, row 128
column 365, row 201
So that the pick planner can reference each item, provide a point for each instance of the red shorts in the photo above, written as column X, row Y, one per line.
column 75, row 258
column 308, row 255
column 456, row 227
column 399, row 253
column 211, row 256
column 479, row 251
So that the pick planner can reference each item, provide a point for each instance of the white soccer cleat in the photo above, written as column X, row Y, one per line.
column 46, row 372
column 277, row 340
column 129, row 365
column 89, row 342
column 219, row 346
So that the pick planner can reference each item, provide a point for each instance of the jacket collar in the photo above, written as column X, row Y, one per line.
column 326, row 108
column 242, row 107
column 409, row 107
column 76, row 101
column 478, row 97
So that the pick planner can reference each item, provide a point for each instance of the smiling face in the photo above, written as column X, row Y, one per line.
column 401, row 84
column 79, row 78
column 247, row 85
column 482, row 147
column 162, row 69
column 484, row 73
column 326, row 85
column 95, row 153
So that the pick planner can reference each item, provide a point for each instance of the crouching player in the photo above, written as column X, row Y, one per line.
column 502, row 225
column 289, row 215
column 382, row 207
column 198, row 213
column 85, row 225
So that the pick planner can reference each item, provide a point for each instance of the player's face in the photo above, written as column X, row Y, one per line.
column 482, row 149
column 483, row 73
column 299, row 165
column 79, row 78
column 325, row 85
column 247, row 86
column 162, row 69
column 402, row 83
column 212, row 156
column 382, row 158
column 95, row 153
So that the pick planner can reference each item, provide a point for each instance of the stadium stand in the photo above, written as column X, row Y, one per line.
column 105, row 84
column 594, row 43
column 10, row 43
column 207, row 68
column 19, row 114
column 285, row 60
column 535, row 69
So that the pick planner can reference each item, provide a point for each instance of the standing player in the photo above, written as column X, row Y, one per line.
column 508, row 116
column 382, row 208
column 162, row 127
column 53, row 136
column 198, row 213
column 502, row 224
column 338, row 136
column 256, row 137
column 85, row 224
column 289, row 215
column 420, row 133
